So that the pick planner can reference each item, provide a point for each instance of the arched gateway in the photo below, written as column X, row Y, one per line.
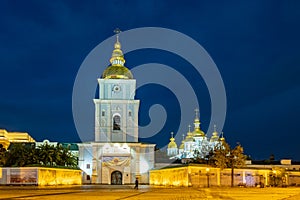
column 116, row 178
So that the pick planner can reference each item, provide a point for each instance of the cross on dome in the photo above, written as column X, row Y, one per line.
column 197, row 113
column 117, row 31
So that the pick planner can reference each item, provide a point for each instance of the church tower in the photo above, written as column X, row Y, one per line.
column 116, row 110
column 116, row 156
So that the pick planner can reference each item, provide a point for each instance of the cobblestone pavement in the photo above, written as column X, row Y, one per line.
column 146, row 192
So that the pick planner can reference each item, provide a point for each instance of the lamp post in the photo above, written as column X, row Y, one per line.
column 207, row 175
column 199, row 178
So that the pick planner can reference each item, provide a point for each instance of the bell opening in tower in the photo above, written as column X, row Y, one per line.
column 117, row 123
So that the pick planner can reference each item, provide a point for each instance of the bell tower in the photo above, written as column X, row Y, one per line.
column 116, row 110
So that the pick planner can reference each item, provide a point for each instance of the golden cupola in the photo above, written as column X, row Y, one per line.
column 182, row 143
column 197, row 130
column 189, row 135
column 172, row 143
column 117, row 70
column 215, row 135
column 222, row 137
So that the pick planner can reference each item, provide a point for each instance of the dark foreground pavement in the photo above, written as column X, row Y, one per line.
column 107, row 192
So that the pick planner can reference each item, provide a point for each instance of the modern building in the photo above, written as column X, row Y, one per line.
column 13, row 137
column 116, row 156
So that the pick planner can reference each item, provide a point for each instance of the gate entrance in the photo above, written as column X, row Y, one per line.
column 116, row 178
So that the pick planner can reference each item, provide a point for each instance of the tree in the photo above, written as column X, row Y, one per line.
column 278, row 176
column 225, row 157
column 20, row 155
column 25, row 154
column 46, row 154
column 2, row 155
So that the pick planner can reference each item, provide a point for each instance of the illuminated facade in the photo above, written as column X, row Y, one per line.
column 204, row 176
column 194, row 144
column 7, row 137
column 116, row 156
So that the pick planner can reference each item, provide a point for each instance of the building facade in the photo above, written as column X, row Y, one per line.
column 206, row 176
column 116, row 156
column 14, row 137
column 195, row 143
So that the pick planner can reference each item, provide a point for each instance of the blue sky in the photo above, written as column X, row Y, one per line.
column 255, row 45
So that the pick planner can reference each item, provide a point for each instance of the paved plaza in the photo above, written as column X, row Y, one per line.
column 145, row 192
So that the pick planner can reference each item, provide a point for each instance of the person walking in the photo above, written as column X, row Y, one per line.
column 136, row 184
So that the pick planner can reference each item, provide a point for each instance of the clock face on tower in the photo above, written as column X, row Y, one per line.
column 116, row 88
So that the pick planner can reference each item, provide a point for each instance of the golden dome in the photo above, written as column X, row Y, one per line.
column 197, row 130
column 222, row 137
column 172, row 143
column 189, row 136
column 198, row 133
column 181, row 145
column 117, row 70
column 215, row 135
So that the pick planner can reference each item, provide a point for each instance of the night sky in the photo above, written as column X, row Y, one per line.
column 255, row 45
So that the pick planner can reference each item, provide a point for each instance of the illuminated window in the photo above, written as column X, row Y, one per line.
column 117, row 122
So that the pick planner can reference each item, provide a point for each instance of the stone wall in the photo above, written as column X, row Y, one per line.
column 202, row 176
column 39, row 176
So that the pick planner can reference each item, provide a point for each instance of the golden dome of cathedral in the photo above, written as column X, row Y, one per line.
column 197, row 131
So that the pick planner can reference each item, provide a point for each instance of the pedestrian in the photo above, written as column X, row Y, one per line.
column 136, row 184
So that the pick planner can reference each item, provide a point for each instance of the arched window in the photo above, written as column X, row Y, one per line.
column 117, row 122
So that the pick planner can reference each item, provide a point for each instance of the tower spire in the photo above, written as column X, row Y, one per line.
column 117, row 57
column 117, row 70
column 197, row 113
column 117, row 31
column 197, row 130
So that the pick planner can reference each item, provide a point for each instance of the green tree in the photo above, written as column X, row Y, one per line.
column 25, row 154
column 2, row 155
column 225, row 157
column 46, row 154
column 64, row 157
column 20, row 155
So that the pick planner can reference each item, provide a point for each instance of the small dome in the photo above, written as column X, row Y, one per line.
column 189, row 137
column 182, row 145
column 172, row 144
